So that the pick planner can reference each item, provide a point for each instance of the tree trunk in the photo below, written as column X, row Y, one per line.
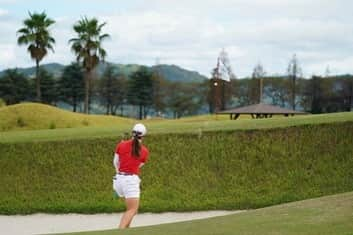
column 87, row 81
column 112, row 110
column 351, row 96
column 122, row 110
column 39, row 95
column 261, row 87
column 223, row 101
column 140, row 111
column 110, row 105
column 108, row 108
column 294, row 91
column 74, row 104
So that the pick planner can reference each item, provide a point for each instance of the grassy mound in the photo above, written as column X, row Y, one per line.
column 33, row 116
column 187, row 171
column 329, row 215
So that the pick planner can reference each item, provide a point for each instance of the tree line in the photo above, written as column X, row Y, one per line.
column 152, row 94
column 319, row 94
column 315, row 95
column 145, row 89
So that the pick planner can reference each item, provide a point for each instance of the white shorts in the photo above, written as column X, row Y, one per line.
column 127, row 186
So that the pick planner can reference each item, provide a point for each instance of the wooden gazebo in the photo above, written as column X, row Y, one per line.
column 260, row 111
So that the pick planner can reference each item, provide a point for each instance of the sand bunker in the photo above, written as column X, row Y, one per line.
column 46, row 223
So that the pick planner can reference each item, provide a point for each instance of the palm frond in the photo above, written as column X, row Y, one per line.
column 22, row 40
column 104, row 37
column 102, row 53
column 23, row 31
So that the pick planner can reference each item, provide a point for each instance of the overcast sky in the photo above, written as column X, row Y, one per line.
column 192, row 33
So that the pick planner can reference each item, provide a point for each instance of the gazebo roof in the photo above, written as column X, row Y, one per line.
column 260, row 109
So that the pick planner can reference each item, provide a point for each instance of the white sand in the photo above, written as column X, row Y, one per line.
column 46, row 223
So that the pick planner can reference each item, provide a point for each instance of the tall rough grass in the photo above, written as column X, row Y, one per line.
column 210, row 170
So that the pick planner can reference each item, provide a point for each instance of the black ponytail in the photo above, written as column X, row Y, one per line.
column 136, row 145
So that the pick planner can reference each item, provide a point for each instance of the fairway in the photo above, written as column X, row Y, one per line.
column 110, row 127
column 325, row 216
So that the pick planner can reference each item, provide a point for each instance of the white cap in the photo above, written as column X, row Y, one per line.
column 140, row 129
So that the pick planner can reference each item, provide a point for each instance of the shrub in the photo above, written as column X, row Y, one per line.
column 20, row 122
column 52, row 125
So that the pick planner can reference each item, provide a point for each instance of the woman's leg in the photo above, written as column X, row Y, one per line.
column 132, row 205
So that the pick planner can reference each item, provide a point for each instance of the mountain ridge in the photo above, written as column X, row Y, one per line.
column 170, row 72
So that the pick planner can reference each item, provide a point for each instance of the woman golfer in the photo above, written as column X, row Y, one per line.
column 129, row 157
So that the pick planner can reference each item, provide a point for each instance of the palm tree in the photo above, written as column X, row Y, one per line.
column 88, row 49
column 36, row 35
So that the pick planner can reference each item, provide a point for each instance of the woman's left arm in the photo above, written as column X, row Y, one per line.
column 116, row 162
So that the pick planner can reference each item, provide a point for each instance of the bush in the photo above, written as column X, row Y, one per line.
column 186, row 172
column 52, row 125
column 20, row 122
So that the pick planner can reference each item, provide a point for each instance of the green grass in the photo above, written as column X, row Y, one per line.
column 197, row 163
column 193, row 125
column 328, row 215
column 187, row 171
column 34, row 116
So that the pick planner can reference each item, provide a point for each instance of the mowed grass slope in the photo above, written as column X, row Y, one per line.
column 34, row 116
column 35, row 122
column 187, row 171
column 330, row 215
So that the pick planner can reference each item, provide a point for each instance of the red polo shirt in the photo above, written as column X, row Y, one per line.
column 127, row 162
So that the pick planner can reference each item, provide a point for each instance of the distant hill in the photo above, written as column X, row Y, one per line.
column 175, row 73
column 169, row 72
column 53, row 68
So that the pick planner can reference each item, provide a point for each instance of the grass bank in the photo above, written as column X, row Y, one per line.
column 35, row 116
column 187, row 171
column 193, row 125
column 329, row 215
